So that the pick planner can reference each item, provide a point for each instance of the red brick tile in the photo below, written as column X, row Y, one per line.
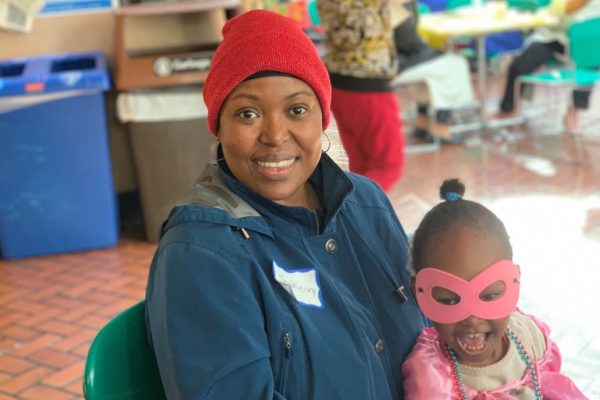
column 66, row 303
column 80, row 289
column 103, row 275
column 74, row 279
column 84, row 336
column 96, row 296
column 40, row 392
column 47, row 292
column 93, row 322
column 33, row 346
column 116, row 285
column 7, row 345
column 59, row 328
column 27, row 307
column 8, row 317
column 4, row 377
column 35, row 320
column 13, row 293
column 81, row 350
column 75, row 388
column 66, row 375
column 25, row 380
column 5, row 397
column 115, row 308
column 53, row 358
column 82, row 310
column 20, row 333
column 13, row 365
column 138, row 291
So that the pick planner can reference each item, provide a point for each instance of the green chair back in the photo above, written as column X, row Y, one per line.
column 120, row 364
column 423, row 8
column 527, row 5
column 454, row 4
column 584, row 38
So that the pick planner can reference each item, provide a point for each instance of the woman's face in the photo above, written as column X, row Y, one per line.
column 270, row 131
column 465, row 252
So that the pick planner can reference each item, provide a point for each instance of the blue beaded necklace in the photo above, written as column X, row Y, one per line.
column 458, row 378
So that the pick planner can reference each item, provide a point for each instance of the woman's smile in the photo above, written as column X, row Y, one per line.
column 275, row 169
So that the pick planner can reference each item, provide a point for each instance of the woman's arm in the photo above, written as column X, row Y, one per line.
column 206, row 327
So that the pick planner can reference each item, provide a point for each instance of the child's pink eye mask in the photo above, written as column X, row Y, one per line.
column 470, row 302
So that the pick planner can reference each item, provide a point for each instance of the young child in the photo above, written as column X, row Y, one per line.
column 480, row 346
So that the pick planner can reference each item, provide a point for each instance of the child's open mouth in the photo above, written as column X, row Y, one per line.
column 472, row 343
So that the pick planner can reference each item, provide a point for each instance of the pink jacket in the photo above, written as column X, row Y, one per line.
column 428, row 374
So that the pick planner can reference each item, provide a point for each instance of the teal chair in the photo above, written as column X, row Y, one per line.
column 120, row 364
column 581, row 70
column 527, row 5
column 584, row 59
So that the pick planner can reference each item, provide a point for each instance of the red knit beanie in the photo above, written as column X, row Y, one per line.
column 257, row 41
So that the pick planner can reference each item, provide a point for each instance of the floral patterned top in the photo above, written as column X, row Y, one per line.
column 359, row 39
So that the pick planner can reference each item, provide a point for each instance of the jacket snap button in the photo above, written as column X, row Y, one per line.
column 379, row 346
column 331, row 246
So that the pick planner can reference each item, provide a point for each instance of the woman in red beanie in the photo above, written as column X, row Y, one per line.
column 282, row 277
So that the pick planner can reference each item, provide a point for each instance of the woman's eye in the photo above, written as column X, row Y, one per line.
column 248, row 114
column 298, row 110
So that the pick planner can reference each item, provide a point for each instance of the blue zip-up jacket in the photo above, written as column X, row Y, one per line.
column 249, row 299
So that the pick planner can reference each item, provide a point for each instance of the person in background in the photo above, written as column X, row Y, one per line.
column 480, row 346
column 281, row 276
column 440, row 81
column 361, row 58
column 542, row 46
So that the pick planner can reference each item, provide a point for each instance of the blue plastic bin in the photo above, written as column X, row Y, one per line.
column 56, row 186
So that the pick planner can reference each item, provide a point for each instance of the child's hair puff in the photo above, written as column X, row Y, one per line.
column 453, row 212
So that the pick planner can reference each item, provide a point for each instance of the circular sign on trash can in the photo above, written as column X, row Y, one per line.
column 165, row 66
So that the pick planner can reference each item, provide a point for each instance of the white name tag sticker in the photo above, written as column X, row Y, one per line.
column 301, row 284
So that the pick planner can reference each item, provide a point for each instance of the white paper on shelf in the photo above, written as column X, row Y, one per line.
column 18, row 15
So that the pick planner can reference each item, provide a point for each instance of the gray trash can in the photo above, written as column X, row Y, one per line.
column 171, row 145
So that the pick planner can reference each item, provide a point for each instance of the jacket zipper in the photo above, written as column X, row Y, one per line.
column 287, row 349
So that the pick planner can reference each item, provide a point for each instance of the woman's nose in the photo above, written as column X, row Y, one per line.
column 274, row 130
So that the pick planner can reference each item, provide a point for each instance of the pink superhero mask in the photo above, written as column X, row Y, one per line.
column 469, row 291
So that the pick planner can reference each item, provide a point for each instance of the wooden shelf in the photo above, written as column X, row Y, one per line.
column 150, row 64
column 175, row 7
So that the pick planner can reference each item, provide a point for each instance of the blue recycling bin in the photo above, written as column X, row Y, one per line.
column 56, row 187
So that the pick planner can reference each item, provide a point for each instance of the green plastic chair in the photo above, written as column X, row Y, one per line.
column 120, row 364
column 582, row 70
column 584, row 59
column 527, row 5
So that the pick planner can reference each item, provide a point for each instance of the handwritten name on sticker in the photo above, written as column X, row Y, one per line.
column 301, row 284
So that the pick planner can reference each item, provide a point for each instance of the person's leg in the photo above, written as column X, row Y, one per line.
column 371, row 131
column 581, row 101
column 421, row 123
column 533, row 57
column 440, row 126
